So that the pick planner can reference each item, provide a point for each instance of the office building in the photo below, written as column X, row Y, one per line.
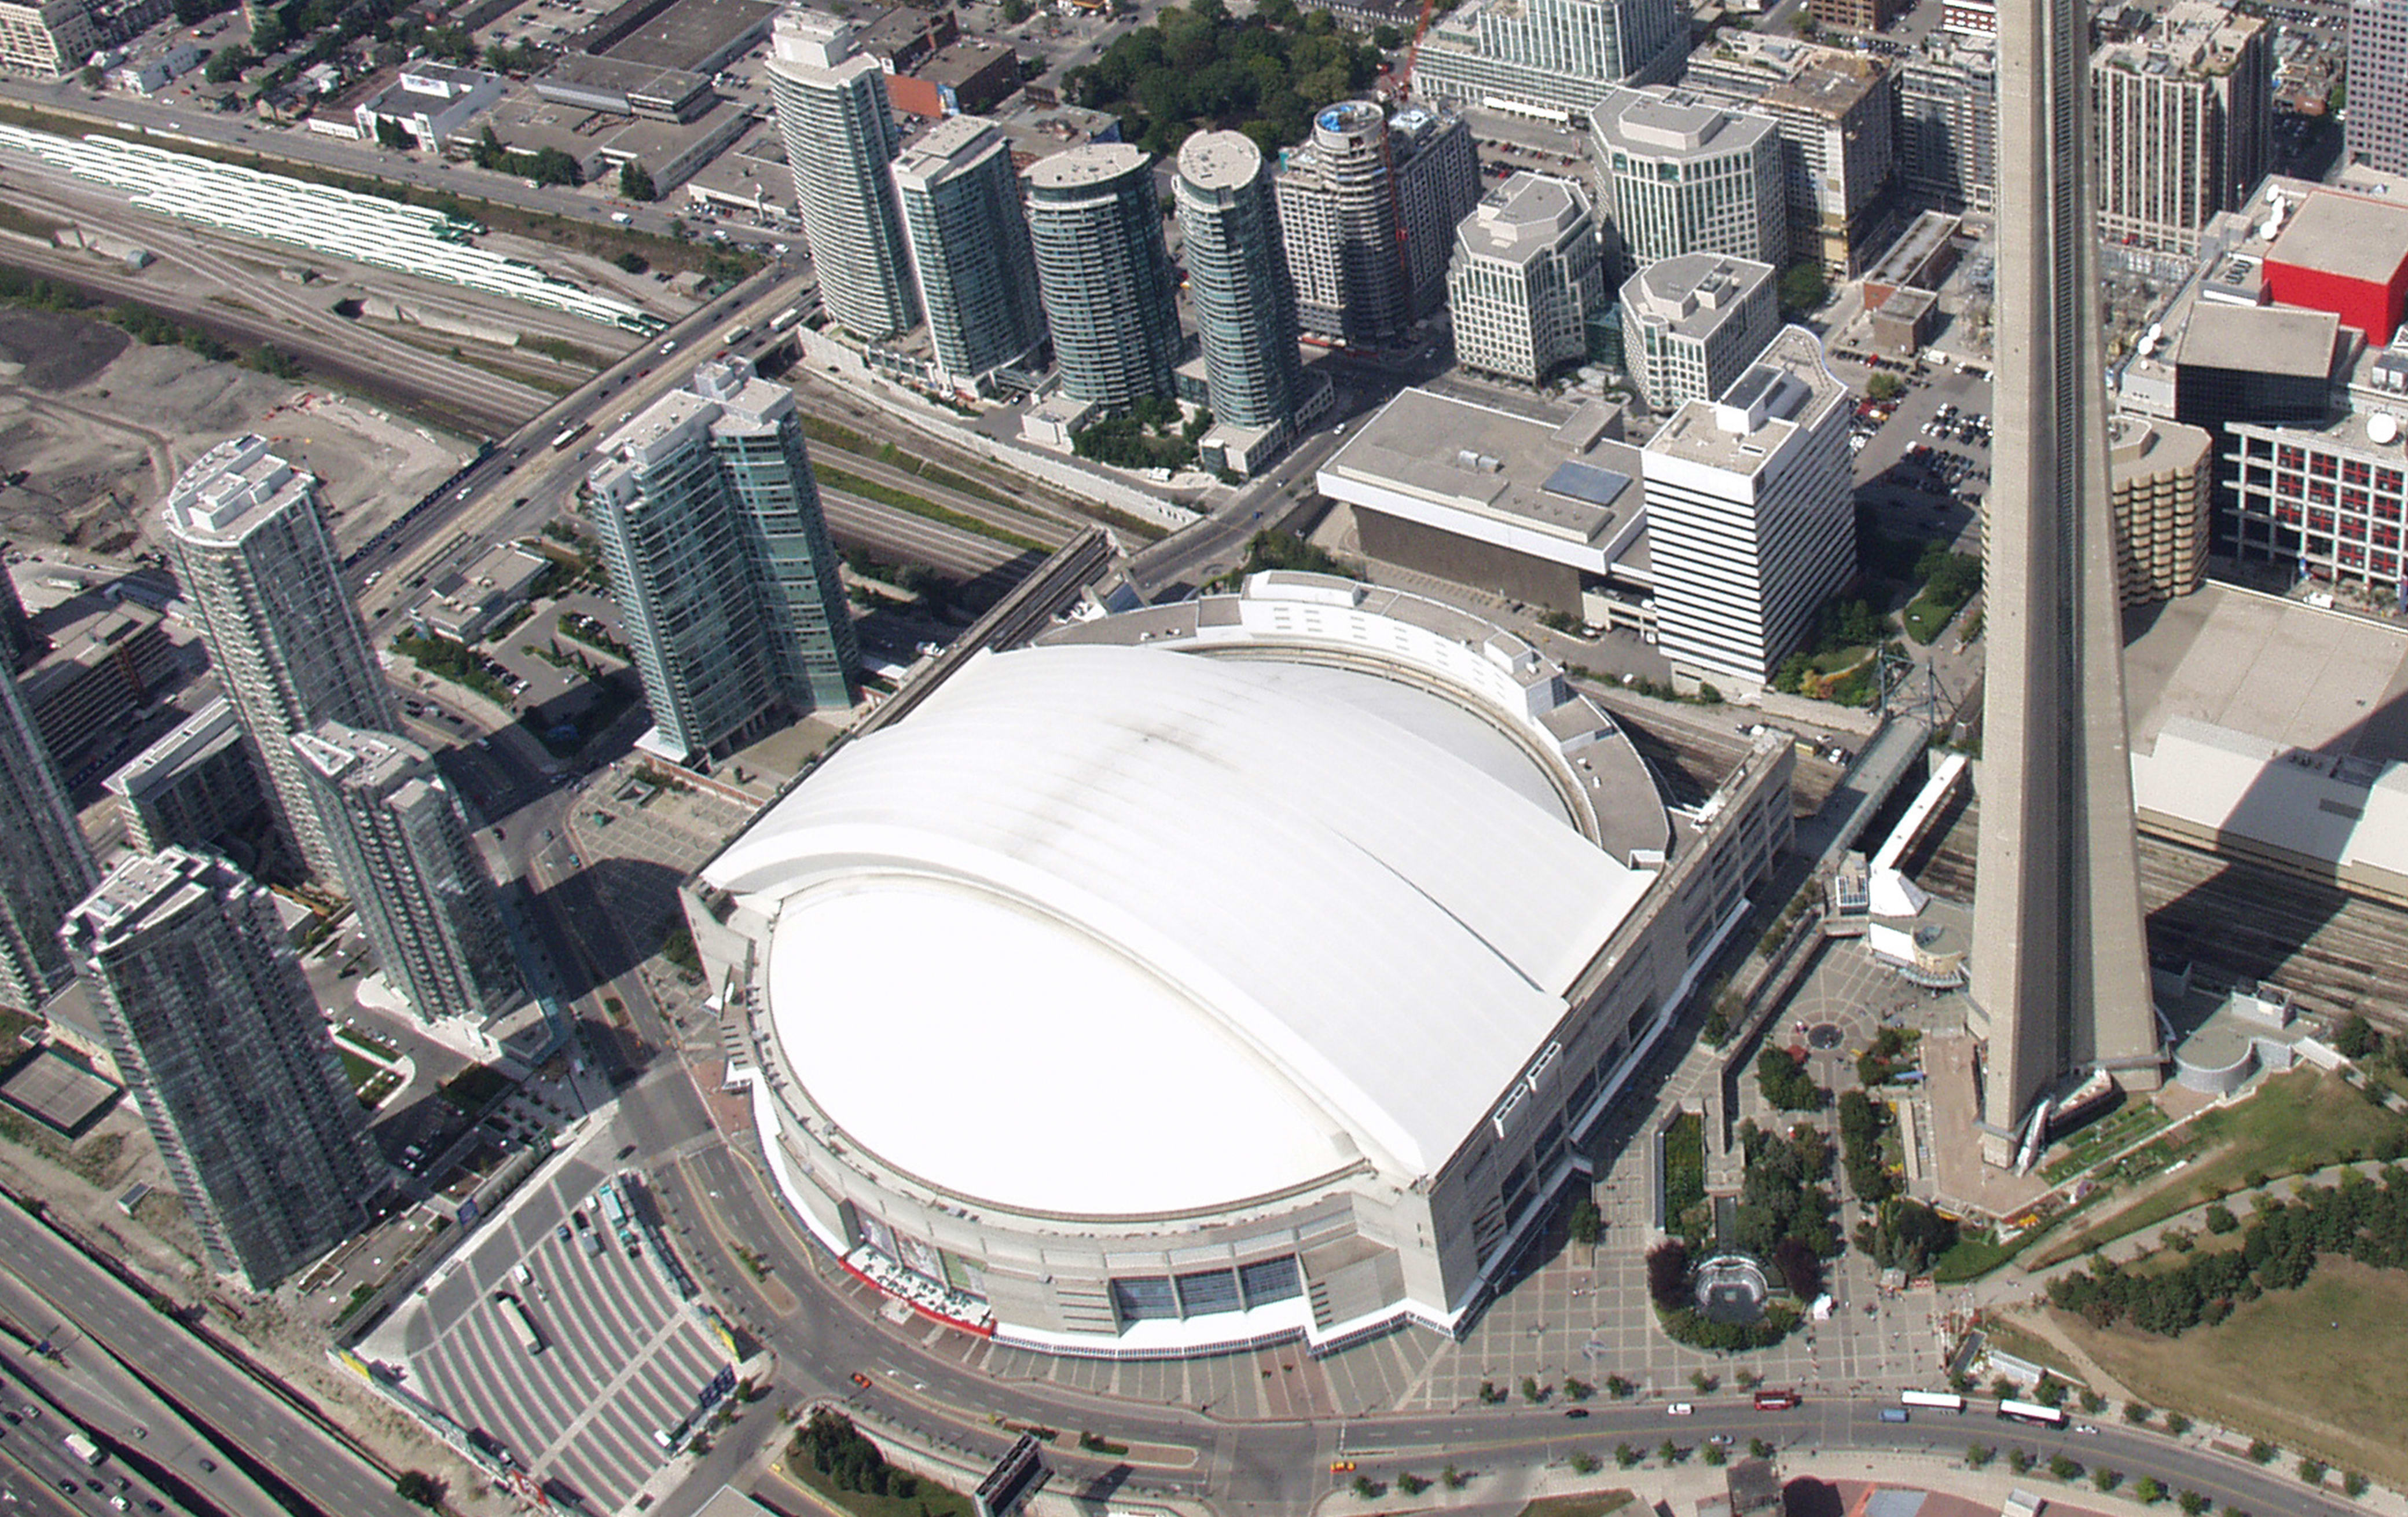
column 2340, row 252
column 414, row 874
column 720, row 561
column 1683, row 175
column 2183, row 119
column 1836, row 113
column 1543, row 511
column 45, row 864
column 211, row 1021
column 1368, row 210
column 1948, row 121
column 258, row 567
column 1548, row 58
column 1856, row 15
column 839, row 134
column 2376, row 131
column 2162, row 476
column 1751, row 515
column 976, row 277
column 1692, row 324
column 1526, row 279
column 46, row 38
column 197, row 786
column 1094, row 220
column 2061, row 966
column 1245, row 300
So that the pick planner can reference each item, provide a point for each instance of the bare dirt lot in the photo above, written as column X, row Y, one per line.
column 94, row 426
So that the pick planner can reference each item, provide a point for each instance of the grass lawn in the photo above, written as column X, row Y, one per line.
column 929, row 1500
column 1596, row 1504
column 2277, row 1369
column 2297, row 1122
column 1970, row 1258
column 357, row 1069
column 1925, row 616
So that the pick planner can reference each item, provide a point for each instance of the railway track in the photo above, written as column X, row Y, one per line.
column 2233, row 921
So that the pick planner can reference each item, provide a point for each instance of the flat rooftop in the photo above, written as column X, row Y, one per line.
column 1522, row 218
column 2267, row 339
column 1498, row 464
column 57, row 1092
column 1659, row 122
column 1695, row 293
column 686, row 33
column 2283, row 671
column 1786, row 388
column 2353, row 236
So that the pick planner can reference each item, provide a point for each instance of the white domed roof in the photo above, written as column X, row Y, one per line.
column 1113, row 930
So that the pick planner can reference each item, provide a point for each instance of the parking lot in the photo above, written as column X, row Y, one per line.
column 620, row 1356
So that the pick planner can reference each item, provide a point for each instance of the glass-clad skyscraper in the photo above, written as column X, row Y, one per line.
column 720, row 560
column 977, row 276
column 1095, row 221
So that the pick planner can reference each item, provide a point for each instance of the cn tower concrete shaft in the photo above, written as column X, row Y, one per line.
column 2061, row 971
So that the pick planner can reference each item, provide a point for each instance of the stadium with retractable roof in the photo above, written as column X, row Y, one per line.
column 1242, row 970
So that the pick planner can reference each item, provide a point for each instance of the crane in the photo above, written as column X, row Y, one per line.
column 1414, row 52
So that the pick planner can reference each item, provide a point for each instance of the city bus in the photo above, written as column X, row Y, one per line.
column 2032, row 1412
column 784, row 320
column 1775, row 1400
column 1937, row 1400
column 570, row 434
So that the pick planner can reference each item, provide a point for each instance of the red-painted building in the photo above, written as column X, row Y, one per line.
column 2347, row 254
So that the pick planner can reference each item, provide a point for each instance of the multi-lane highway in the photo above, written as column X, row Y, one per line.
column 184, row 1365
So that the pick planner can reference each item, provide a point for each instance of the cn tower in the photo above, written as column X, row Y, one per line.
column 2060, row 968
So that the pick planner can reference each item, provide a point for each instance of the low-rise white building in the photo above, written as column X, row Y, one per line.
column 429, row 101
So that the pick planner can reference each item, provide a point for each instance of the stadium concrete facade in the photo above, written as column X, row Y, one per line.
column 1294, row 942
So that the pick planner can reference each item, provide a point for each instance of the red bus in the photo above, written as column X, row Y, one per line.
column 1775, row 1400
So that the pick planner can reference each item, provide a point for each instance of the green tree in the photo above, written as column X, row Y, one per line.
column 1584, row 1463
column 2261, row 1451
column 2353, row 1485
column 2019, row 1460
column 1452, row 1478
column 226, row 64
column 1884, row 386
column 1758, row 1448
column 2312, row 1470
column 1714, row 1455
column 1624, row 1455
column 1387, row 38
column 392, row 134
column 1016, row 11
column 1577, row 1390
column 1804, row 288
column 636, row 182
column 1411, row 1484
column 2147, row 1491
column 2177, row 1423
column 417, row 1486
column 1620, row 1387
column 2192, row 1503
column 1978, row 1456
column 1533, row 1391
column 2355, row 1037
column 90, row 76
column 1365, row 1488
column 2064, row 1466
column 2220, row 1221
column 2092, row 1402
column 1670, row 1452
column 2106, row 1479
column 2137, row 1414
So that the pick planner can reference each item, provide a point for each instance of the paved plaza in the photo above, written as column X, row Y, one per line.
column 622, row 1355
column 1582, row 1316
